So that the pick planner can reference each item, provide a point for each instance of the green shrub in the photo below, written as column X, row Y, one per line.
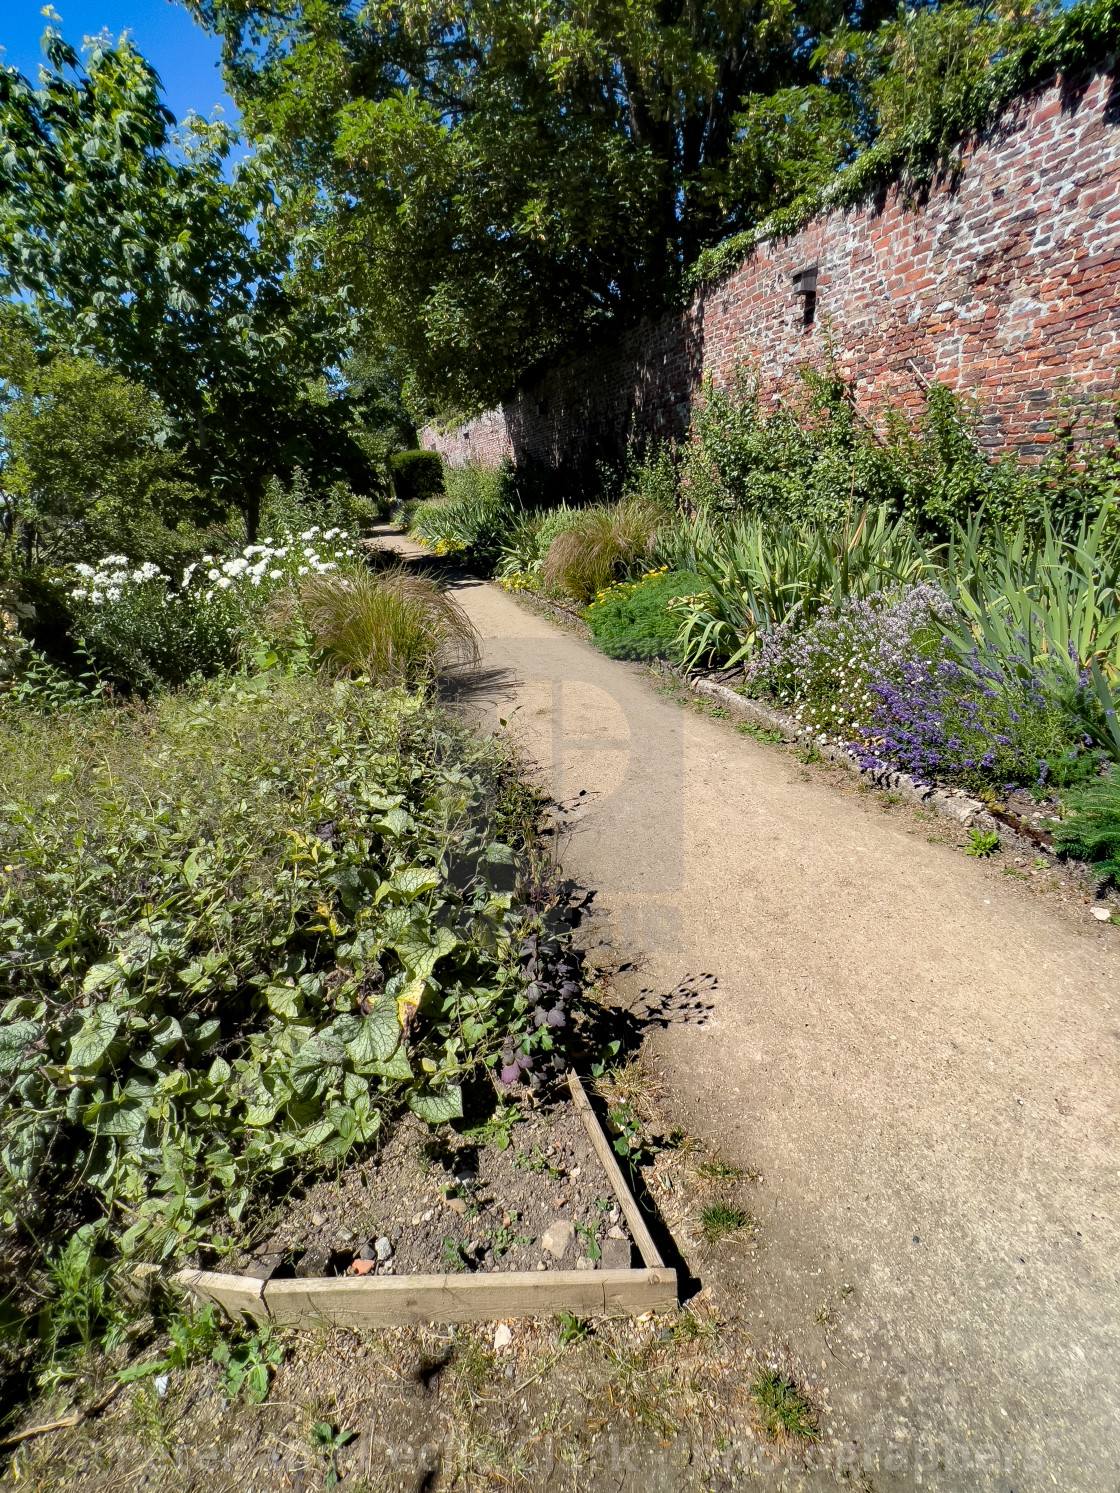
column 472, row 521
column 416, row 475
column 89, row 470
column 812, row 457
column 635, row 619
column 238, row 928
column 141, row 629
column 140, row 634
column 1091, row 830
column 299, row 505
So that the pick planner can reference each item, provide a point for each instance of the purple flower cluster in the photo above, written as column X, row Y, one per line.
column 553, row 977
column 977, row 717
column 878, row 676
column 824, row 671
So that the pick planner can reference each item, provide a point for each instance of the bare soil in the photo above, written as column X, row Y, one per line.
column 444, row 1201
column 613, row 1405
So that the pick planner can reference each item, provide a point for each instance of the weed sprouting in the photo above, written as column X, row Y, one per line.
column 721, row 1221
column 785, row 1411
column 571, row 1329
column 715, row 1170
column 760, row 733
column 537, row 1162
column 982, row 843
column 454, row 1259
column 329, row 1441
column 473, row 1363
column 590, row 1242
column 504, row 1237
column 249, row 1364
column 496, row 1130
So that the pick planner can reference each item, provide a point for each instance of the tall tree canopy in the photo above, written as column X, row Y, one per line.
column 133, row 244
column 493, row 178
column 489, row 180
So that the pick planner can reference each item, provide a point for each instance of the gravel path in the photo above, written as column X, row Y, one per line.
column 918, row 1052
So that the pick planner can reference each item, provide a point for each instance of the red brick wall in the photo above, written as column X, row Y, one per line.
column 1005, row 282
column 483, row 441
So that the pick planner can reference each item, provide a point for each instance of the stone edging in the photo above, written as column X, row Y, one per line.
column 951, row 803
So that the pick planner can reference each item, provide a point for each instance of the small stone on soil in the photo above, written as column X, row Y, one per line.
column 615, row 1254
column 502, row 1337
column 558, row 1238
column 382, row 1248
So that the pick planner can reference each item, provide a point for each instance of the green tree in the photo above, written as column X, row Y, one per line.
column 89, row 465
column 491, row 179
column 133, row 244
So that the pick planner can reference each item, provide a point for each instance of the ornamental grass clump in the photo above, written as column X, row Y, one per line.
column 602, row 544
column 756, row 576
column 528, row 537
column 388, row 627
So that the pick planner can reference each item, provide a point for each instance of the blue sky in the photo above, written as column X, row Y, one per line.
column 182, row 53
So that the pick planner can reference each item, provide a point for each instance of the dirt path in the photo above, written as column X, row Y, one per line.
column 918, row 1055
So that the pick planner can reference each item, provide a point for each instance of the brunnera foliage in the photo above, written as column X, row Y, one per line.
column 240, row 927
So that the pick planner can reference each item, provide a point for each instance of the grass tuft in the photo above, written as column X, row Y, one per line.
column 588, row 556
column 720, row 1221
column 390, row 627
column 785, row 1411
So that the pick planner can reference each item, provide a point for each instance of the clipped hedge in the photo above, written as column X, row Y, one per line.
column 416, row 475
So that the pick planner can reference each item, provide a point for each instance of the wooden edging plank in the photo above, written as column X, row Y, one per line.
column 638, row 1227
column 237, row 1295
column 411, row 1300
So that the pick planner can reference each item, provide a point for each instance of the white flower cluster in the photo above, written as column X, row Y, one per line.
column 114, row 575
column 265, row 564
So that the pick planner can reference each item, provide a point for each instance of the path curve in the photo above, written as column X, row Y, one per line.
column 919, row 1056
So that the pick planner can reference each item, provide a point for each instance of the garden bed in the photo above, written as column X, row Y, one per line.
column 516, row 1219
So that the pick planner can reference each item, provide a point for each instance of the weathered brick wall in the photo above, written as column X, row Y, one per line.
column 483, row 441
column 1005, row 282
